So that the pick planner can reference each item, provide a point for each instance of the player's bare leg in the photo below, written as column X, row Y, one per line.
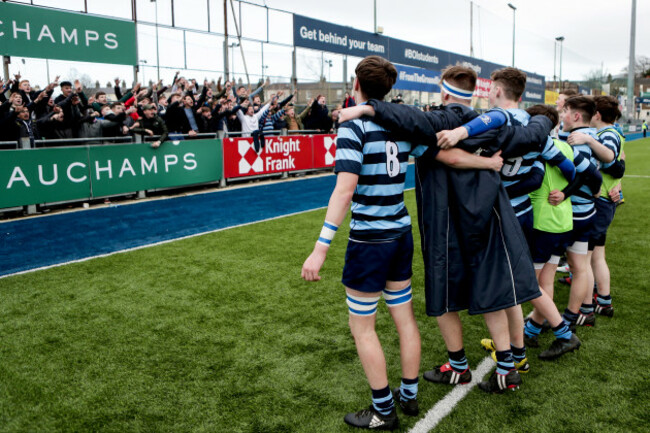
column 409, row 335
column 367, row 343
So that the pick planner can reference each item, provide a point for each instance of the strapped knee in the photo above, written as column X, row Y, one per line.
column 362, row 306
column 395, row 298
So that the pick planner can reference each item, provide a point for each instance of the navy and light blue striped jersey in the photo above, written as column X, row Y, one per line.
column 378, row 210
column 516, row 169
column 611, row 140
column 583, row 201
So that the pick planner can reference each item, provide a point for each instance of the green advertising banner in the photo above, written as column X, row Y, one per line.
column 123, row 168
column 43, row 175
column 30, row 31
column 34, row 176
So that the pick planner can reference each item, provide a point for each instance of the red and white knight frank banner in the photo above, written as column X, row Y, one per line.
column 324, row 150
column 279, row 154
column 482, row 87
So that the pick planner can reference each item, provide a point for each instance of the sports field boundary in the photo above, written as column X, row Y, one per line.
column 155, row 244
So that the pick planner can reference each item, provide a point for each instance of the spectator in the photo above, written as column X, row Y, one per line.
column 181, row 116
column 274, row 114
column 116, row 114
column 152, row 125
column 318, row 118
column 349, row 100
column 94, row 125
column 250, row 121
column 294, row 123
column 397, row 99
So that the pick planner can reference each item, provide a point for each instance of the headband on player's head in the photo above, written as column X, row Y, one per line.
column 455, row 91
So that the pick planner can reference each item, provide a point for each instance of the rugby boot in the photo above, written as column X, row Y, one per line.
column 488, row 344
column 409, row 407
column 499, row 382
column 445, row 374
column 604, row 310
column 371, row 419
column 559, row 347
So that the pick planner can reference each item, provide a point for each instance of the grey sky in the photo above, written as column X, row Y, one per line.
column 595, row 30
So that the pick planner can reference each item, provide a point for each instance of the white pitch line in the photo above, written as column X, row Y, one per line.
column 447, row 404
column 642, row 176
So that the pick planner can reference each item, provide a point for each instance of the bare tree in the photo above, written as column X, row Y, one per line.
column 641, row 67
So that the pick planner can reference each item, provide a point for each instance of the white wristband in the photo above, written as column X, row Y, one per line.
column 327, row 233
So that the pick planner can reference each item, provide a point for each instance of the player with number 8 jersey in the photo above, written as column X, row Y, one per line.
column 368, row 150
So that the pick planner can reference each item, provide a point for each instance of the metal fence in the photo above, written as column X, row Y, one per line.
column 24, row 143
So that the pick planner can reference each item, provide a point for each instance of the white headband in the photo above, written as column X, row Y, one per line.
column 455, row 91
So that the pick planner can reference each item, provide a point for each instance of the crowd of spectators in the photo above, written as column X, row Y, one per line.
column 181, row 110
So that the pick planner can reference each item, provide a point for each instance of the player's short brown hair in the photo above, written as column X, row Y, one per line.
column 376, row 76
column 583, row 104
column 607, row 106
column 512, row 80
column 569, row 92
column 460, row 76
column 544, row 110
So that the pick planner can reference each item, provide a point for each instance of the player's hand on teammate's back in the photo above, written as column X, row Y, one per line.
column 497, row 161
column 449, row 138
column 355, row 112
column 556, row 197
column 314, row 262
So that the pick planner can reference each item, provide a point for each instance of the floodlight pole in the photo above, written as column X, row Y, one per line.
column 555, row 63
column 157, row 47
column 631, row 65
column 471, row 29
column 374, row 29
column 560, row 39
column 514, row 12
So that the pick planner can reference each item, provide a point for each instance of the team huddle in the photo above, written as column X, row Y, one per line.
column 499, row 202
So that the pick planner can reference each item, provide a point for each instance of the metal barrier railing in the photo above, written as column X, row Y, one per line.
column 138, row 138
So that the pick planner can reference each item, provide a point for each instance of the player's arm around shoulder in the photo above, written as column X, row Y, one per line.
column 339, row 203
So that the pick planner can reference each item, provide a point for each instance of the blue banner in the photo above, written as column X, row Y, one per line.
column 324, row 36
column 407, row 53
column 417, row 79
column 583, row 90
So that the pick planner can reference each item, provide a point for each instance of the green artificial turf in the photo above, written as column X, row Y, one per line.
column 218, row 333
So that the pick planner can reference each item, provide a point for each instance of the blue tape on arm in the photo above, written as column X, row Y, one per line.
column 485, row 122
column 568, row 169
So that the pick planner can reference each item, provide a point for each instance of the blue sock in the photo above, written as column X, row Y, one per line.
column 562, row 331
column 409, row 388
column 569, row 316
column 505, row 362
column 604, row 299
column 587, row 309
column 518, row 354
column 532, row 328
column 382, row 400
column 458, row 361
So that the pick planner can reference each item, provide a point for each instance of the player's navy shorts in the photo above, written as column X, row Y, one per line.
column 368, row 265
column 546, row 244
column 605, row 210
column 582, row 229
column 526, row 223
